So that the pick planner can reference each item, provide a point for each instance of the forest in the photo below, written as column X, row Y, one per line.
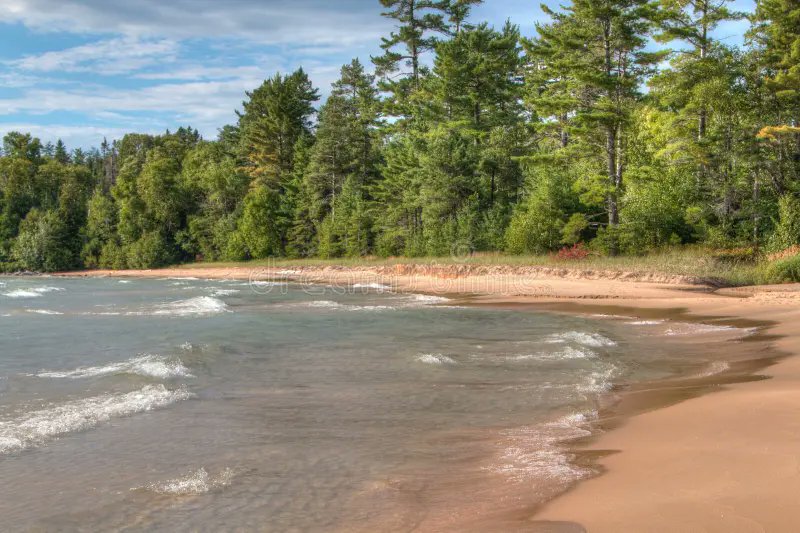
column 620, row 128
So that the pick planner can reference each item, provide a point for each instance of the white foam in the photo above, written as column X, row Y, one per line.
column 436, row 359
column 427, row 299
column 685, row 328
column 586, row 339
column 155, row 366
column 198, row 306
column 716, row 367
column 37, row 427
column 567, row 353
column 532, row 453
column 327, row 304
column 598, row 381
column 267, row 283
column 374, row 286
column 45, row 312
column 34, row 292
column 124, row 281
column 224, row 292
column 645, row 322
column 194, row 483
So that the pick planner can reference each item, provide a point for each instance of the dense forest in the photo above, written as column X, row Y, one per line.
column 622, row 126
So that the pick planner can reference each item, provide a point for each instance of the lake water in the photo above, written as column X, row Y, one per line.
column 220, row 405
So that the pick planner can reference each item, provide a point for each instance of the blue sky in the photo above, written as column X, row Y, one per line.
column 82, row 70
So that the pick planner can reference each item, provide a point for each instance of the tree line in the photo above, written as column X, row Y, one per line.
column 622, row 124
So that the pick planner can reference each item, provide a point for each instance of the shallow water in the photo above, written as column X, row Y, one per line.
column 205, row 405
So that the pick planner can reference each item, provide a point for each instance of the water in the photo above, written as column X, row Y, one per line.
column 205, row 405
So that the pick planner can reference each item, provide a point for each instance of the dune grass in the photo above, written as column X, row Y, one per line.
column 693, row 262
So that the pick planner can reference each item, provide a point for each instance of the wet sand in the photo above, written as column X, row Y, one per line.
column 727, row 461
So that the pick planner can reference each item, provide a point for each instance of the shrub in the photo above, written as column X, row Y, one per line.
column 783, row 271
column 736, row 255
column 787, row 231
column 576, row 252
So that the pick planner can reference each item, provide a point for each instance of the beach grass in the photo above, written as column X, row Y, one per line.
column 690, row 262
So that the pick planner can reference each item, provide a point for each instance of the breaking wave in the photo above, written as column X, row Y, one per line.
column 594, row 340
column 155, row 366
column 35, row 292
column 37, row 427
column 537, row 453
column 198, row 306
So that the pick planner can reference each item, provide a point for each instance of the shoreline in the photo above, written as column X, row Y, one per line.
column 707, row 464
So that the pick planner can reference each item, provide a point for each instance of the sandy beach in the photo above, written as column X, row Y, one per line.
column 726, row 461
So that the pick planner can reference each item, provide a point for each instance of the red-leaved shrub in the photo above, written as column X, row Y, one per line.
column 576, row 252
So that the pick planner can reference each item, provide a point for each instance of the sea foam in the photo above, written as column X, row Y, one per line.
column 194, row 483
column 155, row 366
column 37, row 427
column 34, row 292
column 436, row 359
column 533, row 453
column 197, row 306
column 594, row 340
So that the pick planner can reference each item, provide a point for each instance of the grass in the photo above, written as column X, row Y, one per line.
column 686, row 261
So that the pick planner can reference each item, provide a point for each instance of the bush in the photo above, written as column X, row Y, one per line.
column 151, row 251
column 576, row 252
column 783, row 271
column 787, row 231
column 736, row 255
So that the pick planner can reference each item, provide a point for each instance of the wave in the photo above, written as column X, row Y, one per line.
column 714, row 368
column 645, row 322
column 37, row 427
column 532, row 453
column 594, row 340
column 224, row 292
column 34, row 292
column 155, row 366
column 374, row 286
column 194, row 483
column 599, row 381
column 699, row 329
column 436, row 359
column 45, row 312
column 429, row 299
column 566, row 353
column 197, row 306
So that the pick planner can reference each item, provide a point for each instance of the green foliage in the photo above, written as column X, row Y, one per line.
column 260, row 226
column 467, row 138
column 782, row 271
column 787, row 229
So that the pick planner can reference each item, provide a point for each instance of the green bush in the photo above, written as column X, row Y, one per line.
column 783, row 271
column 151, row 251
column 787, row 230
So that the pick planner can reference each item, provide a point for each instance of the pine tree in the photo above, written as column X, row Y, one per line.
column 400, row 68
column 275, row 116
column 601, row 48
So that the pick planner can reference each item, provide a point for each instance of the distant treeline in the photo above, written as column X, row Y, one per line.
column 465, row 136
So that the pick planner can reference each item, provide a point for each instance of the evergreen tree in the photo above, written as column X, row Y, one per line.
column 275, row 116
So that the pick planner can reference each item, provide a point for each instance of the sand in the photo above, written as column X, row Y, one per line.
column 722, row 462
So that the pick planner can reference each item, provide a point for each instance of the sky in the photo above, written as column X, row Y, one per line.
column 82, row 70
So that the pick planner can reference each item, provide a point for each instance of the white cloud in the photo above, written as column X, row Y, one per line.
column 111, row 56
column 277, row 22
